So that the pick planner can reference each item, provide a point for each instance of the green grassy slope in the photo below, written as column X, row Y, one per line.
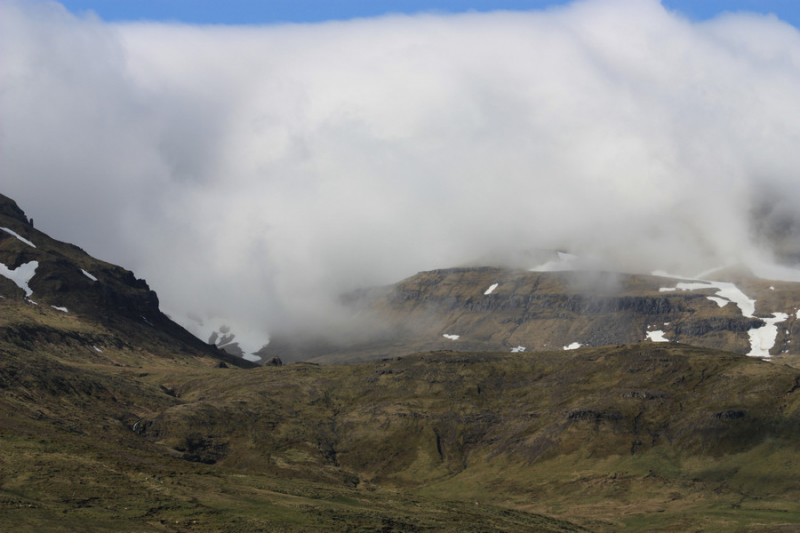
column 631, row 438
column 635, row 437
column 79, row 452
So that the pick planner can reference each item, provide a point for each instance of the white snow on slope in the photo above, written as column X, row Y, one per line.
column 518, row 349
column 96, row 349
column 21, row 275
column 451, row 337
column 491, row 289
column 722, row 302
column 763, row 339
column 657, row 336
column 88, row 275
column 725, row 290
column 573, row 346
column 732, row 293
column 23, row 239
column 62, row 309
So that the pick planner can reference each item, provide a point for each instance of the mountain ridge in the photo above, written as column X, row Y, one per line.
column 67, row 279
column 495, row 309
column 110, row 421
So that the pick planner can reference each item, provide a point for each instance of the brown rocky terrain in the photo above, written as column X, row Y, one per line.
column 541, row 311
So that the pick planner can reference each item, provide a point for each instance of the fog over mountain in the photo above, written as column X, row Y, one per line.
column 256, row 173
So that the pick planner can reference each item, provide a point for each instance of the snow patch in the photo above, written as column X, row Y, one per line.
column 763, row 339
column 772, row 288
column 62, row 309
column 451, row 337
column 22, row 275
column 96, row 349
column 491, row 289
column 88, row 275
column 23, row 239
column 657, row 336
column 573, row 346
column 722, row 302
column 518, row 349
column 725, row 290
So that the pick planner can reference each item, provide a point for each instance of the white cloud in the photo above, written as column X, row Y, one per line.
column 257, row 172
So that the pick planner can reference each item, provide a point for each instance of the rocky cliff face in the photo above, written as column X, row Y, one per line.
column 57, row 277
column 493, row 309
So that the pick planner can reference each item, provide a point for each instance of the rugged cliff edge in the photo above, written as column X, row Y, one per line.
column 43, row 275
column 493, row 309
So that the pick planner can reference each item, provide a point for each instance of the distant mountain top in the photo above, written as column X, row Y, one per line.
column 496, row 309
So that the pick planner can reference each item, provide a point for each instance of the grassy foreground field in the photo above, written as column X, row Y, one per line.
column 639, row 437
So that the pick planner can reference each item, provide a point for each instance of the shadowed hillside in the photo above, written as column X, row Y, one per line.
column 112, row 418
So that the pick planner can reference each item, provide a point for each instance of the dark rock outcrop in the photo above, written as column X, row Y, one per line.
column 68, row 278
column 275, row 361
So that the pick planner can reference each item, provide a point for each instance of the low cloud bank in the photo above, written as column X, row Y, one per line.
column 256, row 173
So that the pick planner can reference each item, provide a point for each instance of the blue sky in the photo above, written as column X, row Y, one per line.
column 276, row 11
